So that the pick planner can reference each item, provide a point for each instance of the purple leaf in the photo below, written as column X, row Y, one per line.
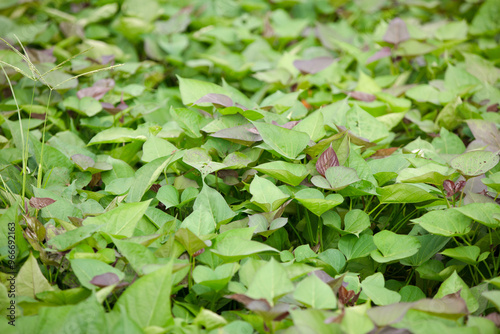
column 239, row 134
column 40, row 202
column 397, row 32
column 112, row 109
column 382, row 53
column 105, row 280
column 109, row 59
column 485, row 133
column 288, row 125
column 360, row 96
column 251, row 303
column 459, row 186
column 449, row 187
column 326, row 160
column 98, row 90
column 218, row 100
column 313, row 65
column 322, row 275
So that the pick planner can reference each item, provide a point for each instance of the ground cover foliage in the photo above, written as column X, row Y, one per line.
column 250, row 166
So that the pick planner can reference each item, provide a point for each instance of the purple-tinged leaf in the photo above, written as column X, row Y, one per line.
column 360, row 96
column 155, row 187
column 41, row 56
column 326, row 160
column 95, row 92
column 218, row 100
column 289, row 125
column 98, row 90
column 495, row 317
column 104, row 280
column 485, row 133
column 40, row 202
column 322, row 275
column 313, row 65
column 36, row 227
column 112, row 109
column 242, row 107
column 449, row 187
column 198, row 252
column 493, row 107
column 82, row 161
column 262, row 306
column 382, row 53
column 450, row 306
column 388, row 314
column 252, row 304
column 459, row 186
column 397, row 32
column 239, row 134
column 108, row 59
column 384, row 152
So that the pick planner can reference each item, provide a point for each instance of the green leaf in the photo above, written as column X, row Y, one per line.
column 392, row 246
column 430, row 245
column 455, row 284
column 270, row 282
column 30, row 280
column 486, row 21
column 86, row 269
column 356, row 221
column 87, row 105
column 313, row 125
column 70, row 238
column 118, row 135
column 493, row 296
column 200, row 222
column 191, row 242
column 284, row 171
column 362, row 124
column 483, row 213
column 314, row 293
column 217, row 278
column 467, row 254
column 475, row 163
column 236, row 248
column 373, row 287
column 148, row 174
column 266, row 195
column 168, row 195
column 353, row 247
column 136, row 254
column 337, row 178
column 192, row 90
column 448, row 143
column 313, row 200
column 121, row 220
column 447, row 223
column 155, row 148
column 191, row 121
column 288, row 143
column 147, row 300
column 404, row 193
column 212, row 201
